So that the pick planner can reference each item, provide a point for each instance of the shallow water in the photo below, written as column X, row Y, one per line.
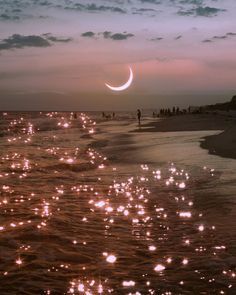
column 97, row 209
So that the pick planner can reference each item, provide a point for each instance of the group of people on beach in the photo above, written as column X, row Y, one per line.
column 162, row 112
column 112, row 116
column 108, row 116
column 173, row 112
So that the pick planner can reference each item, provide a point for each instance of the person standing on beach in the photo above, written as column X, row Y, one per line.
column 139, row 116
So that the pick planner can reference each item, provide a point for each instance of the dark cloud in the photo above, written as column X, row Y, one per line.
column 207, row 41
column 178, row 37
column 107, row 34
column 156, row 39
column 16, row 10
column 21, row 41
column 231, row 34
column 44, row 3
column 220, row 37
column 194, row 2
column 94, row 8
column 116, row 36
column 5, row 16
column 24, row 9
column 185, row 12
column 151, row 1
column 120, row 36
column 88, row 34
column 145, row 10
column 207, row 11
column 201, row 11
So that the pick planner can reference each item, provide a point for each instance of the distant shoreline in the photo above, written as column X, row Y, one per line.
column 222, row 144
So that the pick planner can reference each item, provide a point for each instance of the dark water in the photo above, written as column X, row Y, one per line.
column 90, row 209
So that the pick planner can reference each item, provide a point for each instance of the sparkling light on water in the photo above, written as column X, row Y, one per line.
column 73, row 223
column 159, row 267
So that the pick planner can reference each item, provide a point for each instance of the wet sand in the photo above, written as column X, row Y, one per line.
column 222, row 144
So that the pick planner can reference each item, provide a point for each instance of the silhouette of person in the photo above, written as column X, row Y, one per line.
column 139, row 116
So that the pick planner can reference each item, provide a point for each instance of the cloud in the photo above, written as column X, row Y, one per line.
column 222, row 37
column 44, row 3
column 88, row 34
column 156, row 39
column 57, row 39
column 116, row 36
column 201, row 11
column 16, row 10
column 207, row 41
column 151, row 1
column 5, row 16
column 21, row 41
column 194, row 2
column 185, row 12
column 207, row 11
column 119, row 36
column 178, row 37
column 231, row 34
column 95, row 8
column 145, row 10
column 107, row 34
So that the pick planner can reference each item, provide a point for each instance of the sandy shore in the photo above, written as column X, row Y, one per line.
column 222, row 144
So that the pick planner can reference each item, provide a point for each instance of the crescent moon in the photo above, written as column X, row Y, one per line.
column 124, row 86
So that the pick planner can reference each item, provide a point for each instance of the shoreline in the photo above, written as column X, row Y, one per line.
column 222, row 144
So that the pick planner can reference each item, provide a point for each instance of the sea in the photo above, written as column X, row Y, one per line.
column 91, row 205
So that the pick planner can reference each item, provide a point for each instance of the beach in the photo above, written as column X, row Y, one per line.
column 94, row 206
column 222, row 144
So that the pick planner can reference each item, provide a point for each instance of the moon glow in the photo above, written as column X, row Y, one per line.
column 124, row 86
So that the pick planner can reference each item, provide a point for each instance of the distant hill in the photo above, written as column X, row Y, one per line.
column 225, row 106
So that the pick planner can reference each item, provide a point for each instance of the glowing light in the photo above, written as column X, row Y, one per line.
column 111, row 258
column 185, row 261
column 185, row 214
column 201, row 228
column 182, row 185
column 19, row 261
column 159, row 268
column 152, row 248
column 128, row 283
column 187, row 242
column 81, row 287
column 100, row 204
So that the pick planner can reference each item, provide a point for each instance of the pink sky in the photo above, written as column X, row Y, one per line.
column 164, row 67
